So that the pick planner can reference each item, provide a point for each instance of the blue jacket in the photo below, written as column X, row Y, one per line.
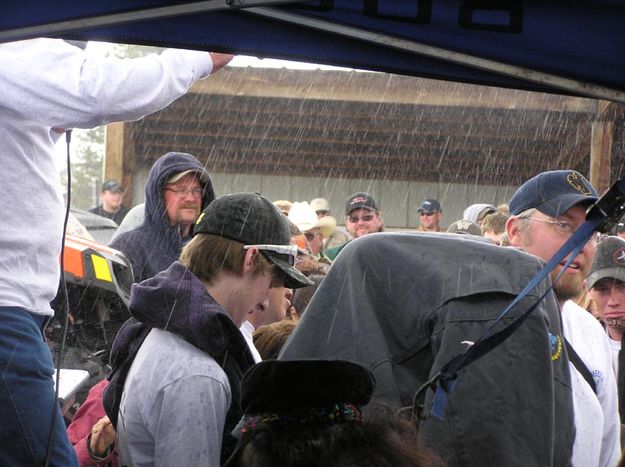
column 155, row 244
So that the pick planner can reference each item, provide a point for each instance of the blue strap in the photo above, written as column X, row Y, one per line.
column 445, row 379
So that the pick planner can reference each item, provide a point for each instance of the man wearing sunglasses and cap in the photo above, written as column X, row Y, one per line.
column 179, row 400
column 362, row 217
column 430, row 213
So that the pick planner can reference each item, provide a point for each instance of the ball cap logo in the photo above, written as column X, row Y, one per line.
column 578, row 183
column 619, row 256
column 358, row 200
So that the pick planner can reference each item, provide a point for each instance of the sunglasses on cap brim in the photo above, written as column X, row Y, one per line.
column 290, row 251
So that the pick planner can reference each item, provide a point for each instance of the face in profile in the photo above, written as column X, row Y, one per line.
column 544, row 236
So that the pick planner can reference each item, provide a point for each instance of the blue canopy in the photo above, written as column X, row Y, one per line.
column 569, row 47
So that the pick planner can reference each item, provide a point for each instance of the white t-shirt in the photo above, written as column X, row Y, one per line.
column 247, row 329
column 597, row 421
column 615, row 348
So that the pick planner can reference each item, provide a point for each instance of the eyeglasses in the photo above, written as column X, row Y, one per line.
column 364, row 218
column 427, row 214
column 183, row 192
column 564, row 228
column 290, row 251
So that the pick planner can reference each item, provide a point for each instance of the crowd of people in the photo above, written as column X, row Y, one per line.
column 222, row 282
column 180, row 201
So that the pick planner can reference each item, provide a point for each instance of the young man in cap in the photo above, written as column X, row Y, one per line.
column 545, row 211
column 606, row 286
column 177, row 190
column 362, row 217
column 430, row 213
column 178, row 390
column 111, row 196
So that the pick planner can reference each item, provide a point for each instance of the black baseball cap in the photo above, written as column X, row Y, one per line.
column 113, row 186
column 609, row 261
column 553, row 193
column 429, row 206
column 253, row 220
column 360, row 200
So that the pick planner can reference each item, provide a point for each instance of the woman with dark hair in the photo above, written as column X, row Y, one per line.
column 317, row 419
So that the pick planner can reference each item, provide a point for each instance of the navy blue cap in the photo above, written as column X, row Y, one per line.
column 553, row 193
column 429, row 206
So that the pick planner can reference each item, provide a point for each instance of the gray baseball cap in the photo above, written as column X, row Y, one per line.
column 609, row 261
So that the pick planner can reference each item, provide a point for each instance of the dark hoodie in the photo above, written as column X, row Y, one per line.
column 155, row 244
column 176, row 301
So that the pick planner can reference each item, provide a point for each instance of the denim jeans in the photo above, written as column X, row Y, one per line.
column 27, row 394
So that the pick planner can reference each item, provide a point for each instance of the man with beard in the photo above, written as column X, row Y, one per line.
column 177, row 190
column 606, row 286
column 545, row 211
column 362, row 217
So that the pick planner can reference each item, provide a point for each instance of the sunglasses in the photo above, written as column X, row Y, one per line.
column 365, row 218
column 289, row 252
column 427, row 214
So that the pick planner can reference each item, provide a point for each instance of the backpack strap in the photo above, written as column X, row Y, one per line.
column 580, row 365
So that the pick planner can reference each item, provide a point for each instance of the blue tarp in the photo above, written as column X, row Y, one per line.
column 576, row 40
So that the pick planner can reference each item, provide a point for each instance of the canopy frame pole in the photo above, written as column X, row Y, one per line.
column 547, row 79
column 116, row 19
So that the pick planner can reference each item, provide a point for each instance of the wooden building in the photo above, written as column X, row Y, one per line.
column 295, row 134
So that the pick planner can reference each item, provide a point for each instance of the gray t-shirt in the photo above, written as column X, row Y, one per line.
column 174, row 405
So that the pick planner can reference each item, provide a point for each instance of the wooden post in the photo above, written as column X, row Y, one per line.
column 119, row 156
column 601, row 148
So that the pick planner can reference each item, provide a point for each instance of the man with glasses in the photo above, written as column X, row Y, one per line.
column 362, row 217
column 177, row 190
column 430, row 213
column 545, row 211
column 178, row 402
